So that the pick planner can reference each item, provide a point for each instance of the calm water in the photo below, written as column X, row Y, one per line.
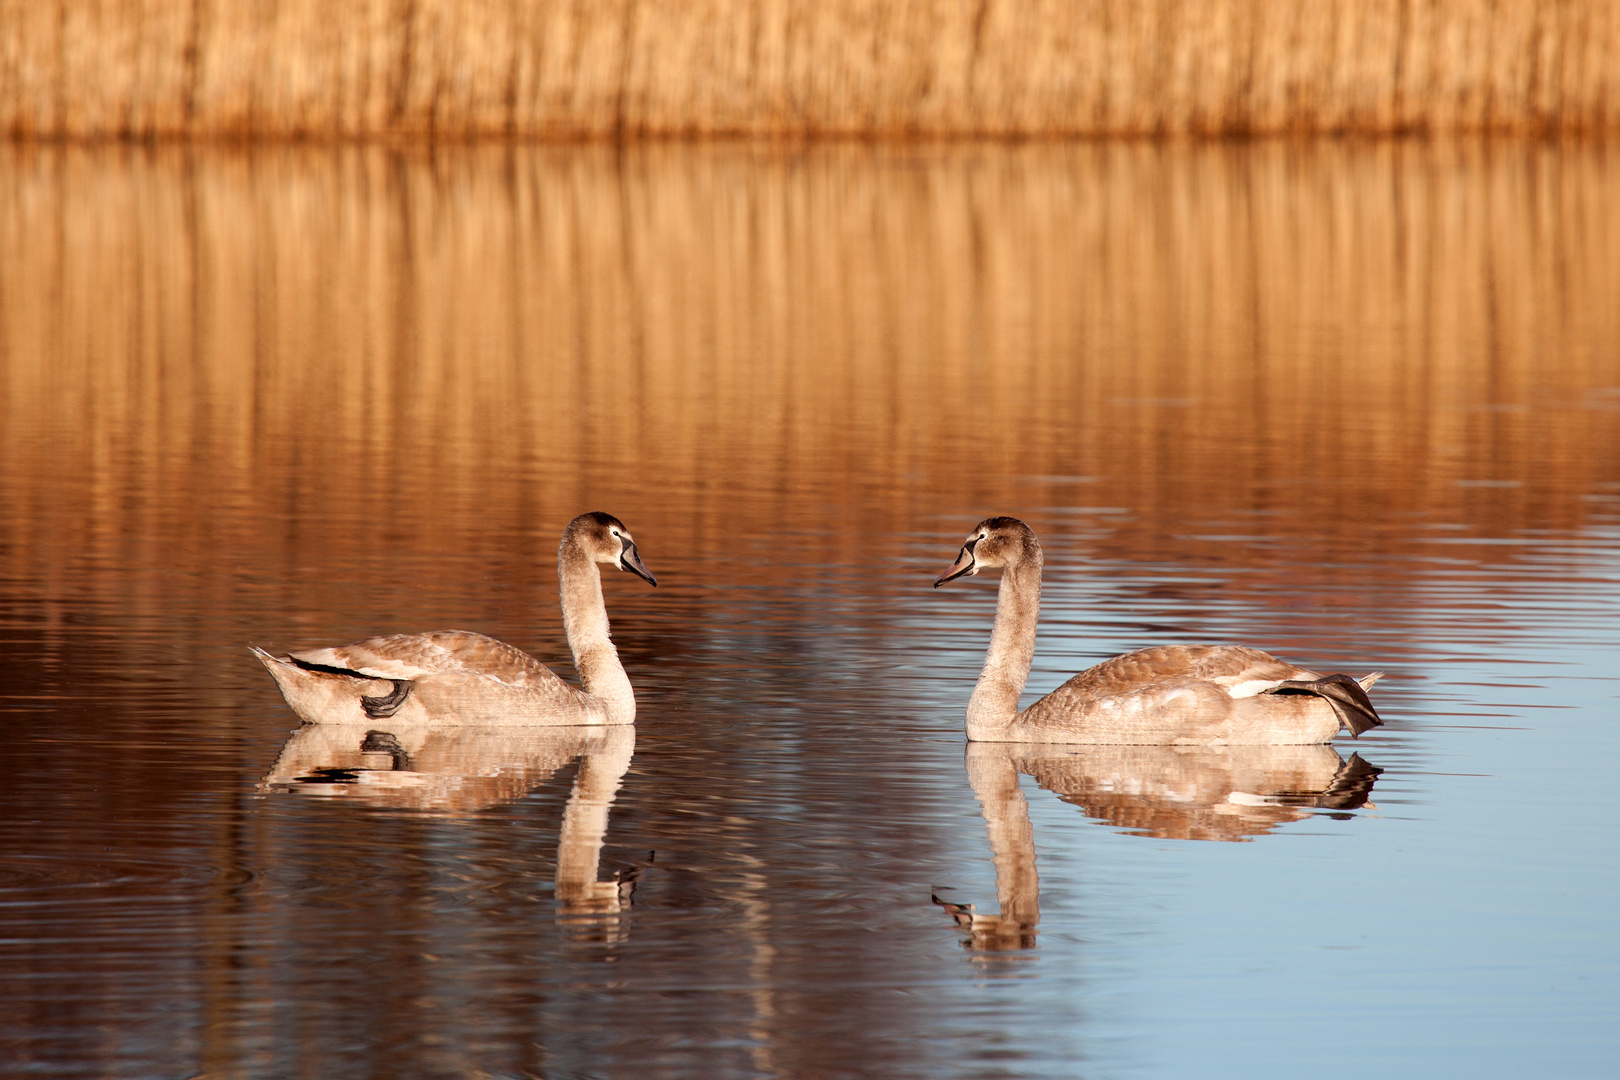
column 1353, row 403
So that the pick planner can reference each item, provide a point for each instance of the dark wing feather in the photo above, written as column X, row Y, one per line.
column 1351, row 703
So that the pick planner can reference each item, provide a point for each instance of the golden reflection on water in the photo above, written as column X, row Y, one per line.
column 1344, row 334
column 235, row 382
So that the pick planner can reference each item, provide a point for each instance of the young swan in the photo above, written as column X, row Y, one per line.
column 459, row 677
column 1166, row 695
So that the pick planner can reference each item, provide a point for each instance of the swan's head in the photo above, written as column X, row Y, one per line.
column 997, row 541
column 605, row 539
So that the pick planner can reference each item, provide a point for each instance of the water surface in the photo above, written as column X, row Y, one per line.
column 1353, row 403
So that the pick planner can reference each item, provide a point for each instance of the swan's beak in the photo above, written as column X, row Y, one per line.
column 629, row 560
column 963, row 566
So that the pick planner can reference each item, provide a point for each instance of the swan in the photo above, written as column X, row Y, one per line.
column 459, row 677
column 1165, row 695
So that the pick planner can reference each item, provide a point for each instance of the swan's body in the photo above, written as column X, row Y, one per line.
column 1166, row 695
column 457, row 676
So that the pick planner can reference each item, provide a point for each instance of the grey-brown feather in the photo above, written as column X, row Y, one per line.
column 440, row 652
column 324, row 693
column 1143, row 668
column 1182, row 693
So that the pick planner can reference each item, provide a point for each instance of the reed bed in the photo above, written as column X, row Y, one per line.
column 596, row 68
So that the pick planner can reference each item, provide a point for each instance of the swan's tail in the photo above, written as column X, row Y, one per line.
column 1347, row 696
column 272, row 663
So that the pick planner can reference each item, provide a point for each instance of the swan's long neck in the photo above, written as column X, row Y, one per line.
column 585, row 622
column 994, row 705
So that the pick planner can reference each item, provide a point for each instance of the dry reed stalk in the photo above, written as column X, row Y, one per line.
column 347, row 68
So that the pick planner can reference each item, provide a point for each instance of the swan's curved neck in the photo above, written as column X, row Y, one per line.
column 994, row 705
column 585, row 622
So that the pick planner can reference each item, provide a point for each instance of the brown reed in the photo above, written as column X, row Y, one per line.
column 592, row 68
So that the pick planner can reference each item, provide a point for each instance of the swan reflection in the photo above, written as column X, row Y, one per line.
column 1231, row 793
column 462, row 769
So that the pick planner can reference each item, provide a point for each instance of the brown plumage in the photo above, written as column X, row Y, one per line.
column 1165, row 695
column 461, row 677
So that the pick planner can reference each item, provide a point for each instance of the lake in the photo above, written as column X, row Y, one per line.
column 1353, row 402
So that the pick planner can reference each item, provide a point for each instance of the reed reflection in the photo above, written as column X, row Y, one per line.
column 1222, row 793
column 1184, row 332
column 421, row 768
